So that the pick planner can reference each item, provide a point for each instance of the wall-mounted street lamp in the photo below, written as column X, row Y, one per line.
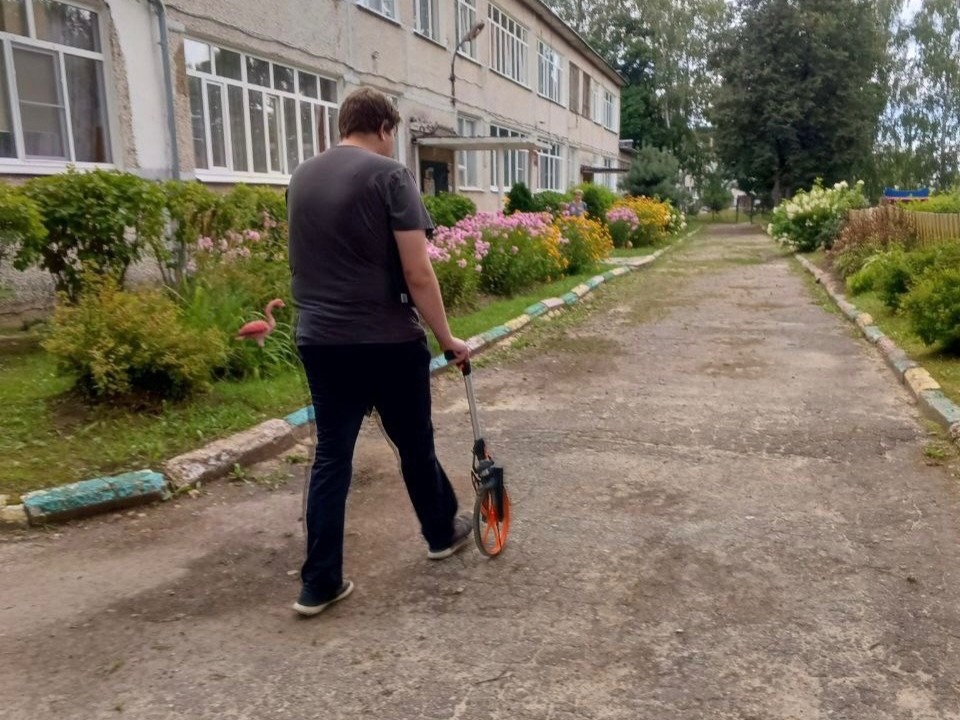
column 469, row 37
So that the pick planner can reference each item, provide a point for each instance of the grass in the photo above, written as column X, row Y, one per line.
column 51, row 437
column 944, row 368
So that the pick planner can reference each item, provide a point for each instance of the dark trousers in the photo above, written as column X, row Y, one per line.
column 345, row 381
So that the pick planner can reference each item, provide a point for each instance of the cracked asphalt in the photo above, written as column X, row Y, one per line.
column 723, row 509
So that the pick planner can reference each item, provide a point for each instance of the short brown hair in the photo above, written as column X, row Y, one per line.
column 365, row 111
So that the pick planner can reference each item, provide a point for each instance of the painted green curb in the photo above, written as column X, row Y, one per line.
column 93, row 496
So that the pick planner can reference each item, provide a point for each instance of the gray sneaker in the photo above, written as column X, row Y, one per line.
column 462, row 530
column 308, row 605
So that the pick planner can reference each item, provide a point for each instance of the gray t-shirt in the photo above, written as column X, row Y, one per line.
column 343, row 207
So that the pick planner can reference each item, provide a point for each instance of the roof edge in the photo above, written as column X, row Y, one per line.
column 557, row 23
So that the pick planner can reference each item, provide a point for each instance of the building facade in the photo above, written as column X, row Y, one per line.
column 229, row 91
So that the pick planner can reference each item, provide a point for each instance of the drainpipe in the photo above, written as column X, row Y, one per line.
column 161, row 11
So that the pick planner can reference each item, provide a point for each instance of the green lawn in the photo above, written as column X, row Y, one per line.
column 945, row 369
column 50, row 437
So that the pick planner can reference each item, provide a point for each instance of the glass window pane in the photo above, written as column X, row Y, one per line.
column 66, row 24
column 13, row 17
column 229, row 64
column 41, row 104
column 307, row 130
column 198, row 123
column 328, row 90
column 283, row 78
column 218, row 142
column 258, row 72
column 238, row 138
column 257, row 136
column 273, row 132
column 88, row 109
column 291, row 138
column 197, row 56
column 308, row 85
column 8, row 146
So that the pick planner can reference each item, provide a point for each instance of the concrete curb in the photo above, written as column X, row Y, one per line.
column 922, row 386
column 217, row 459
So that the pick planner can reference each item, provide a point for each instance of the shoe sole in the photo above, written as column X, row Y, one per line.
column 311, row 610
column 452, row 550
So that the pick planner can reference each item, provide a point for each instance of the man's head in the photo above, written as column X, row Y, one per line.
column 367, row 117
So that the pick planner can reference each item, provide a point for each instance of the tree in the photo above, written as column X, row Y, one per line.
column 716, row 195
column 654, row 173
column 801, row 95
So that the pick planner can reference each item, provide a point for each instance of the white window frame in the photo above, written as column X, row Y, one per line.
column 468, row 161
column 551, row 167
column 508, row 46
column 50, row 165
column 465, row 19
column 427, row 24
column 515, row 162
column 596, row 110
column 549, row 73
column 610, row 179
column 609, row 111
column 386, row 8
column 320, row 111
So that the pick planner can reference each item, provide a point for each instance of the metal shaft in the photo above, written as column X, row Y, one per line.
column 472, row 402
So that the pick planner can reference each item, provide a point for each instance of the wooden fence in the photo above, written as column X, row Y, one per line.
column 932, row 228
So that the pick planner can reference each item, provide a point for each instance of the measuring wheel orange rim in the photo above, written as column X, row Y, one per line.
column 489, row 528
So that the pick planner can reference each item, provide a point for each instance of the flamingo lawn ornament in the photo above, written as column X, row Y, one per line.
column 259, row 329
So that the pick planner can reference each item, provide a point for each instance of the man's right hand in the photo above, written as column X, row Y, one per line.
column 459, row 348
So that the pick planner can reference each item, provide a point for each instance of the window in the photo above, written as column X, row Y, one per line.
column 508, row 46
column 587, row 94
column 549, row 73
column 574, row 97
column 52, row 99
column 595, row 107
column 249, row 115
column 514, row 167
column 609, row 179
column 428, row 23
column 609, row 111
column 466, row 19
column 468, row 161
column 387, row 8
column 551, row 168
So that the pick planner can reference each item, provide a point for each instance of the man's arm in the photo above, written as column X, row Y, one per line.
column 423, row 286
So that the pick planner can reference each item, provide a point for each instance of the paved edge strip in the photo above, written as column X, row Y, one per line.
column 216, row 459
column 919, row 382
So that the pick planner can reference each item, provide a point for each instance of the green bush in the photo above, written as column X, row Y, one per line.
column 893, row 273
column 812, row 219
column 20, row 221
column 519, row 199
column 120, row 343
column 948, row 202
column 655, row 174
column 447, row 209
column 933, row 308
column 192, row 206
column 550, row 201
column 598, row 200
column 98, row 223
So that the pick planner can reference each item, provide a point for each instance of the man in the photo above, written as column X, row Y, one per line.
column 358, row 255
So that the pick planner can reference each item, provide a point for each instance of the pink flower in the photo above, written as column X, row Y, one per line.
column 462, row 263
column 205, row 244
column 478, row 268
column 514, row 249
column 252, row 235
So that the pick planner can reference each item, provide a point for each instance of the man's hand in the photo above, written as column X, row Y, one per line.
column 458, row 347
